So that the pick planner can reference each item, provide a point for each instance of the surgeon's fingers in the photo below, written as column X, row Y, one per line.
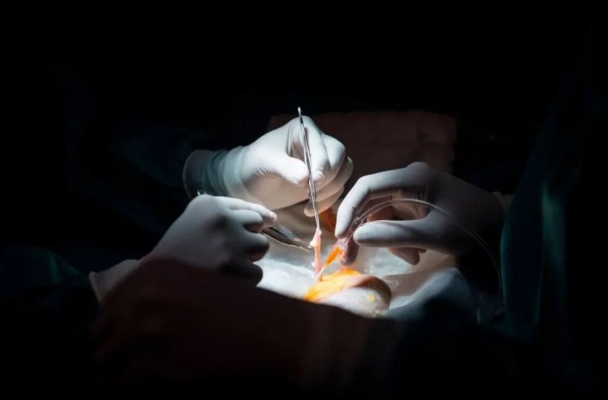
column 336, row 155
column 334, row 189
column 337, row 181
column 350, row 253
column 255, row 245
column 251, row 220
column 323, row 205
column 269, row 218
column 411, row 179
column 425, row 233
column 411, row 256
column 319, row 158
column 387, row 213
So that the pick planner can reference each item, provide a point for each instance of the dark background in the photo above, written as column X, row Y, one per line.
column 496, row 67
column 210, row 65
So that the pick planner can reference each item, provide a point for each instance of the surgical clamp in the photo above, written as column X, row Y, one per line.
column 287, row 237
column 282, row 235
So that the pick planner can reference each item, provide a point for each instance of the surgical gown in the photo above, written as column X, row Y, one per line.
column 77, row 182
column 551, row 338
column 46, row 307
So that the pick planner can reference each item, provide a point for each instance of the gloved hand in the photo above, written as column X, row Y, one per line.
column 218, row 233
column 408, row 230
column 271, row 171
column 170, row 323
column 215, row 233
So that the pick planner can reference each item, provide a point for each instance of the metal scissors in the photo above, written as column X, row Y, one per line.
column 312, row 189
column 282, row 235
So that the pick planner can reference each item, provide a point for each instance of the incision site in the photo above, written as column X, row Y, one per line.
column 377, row 282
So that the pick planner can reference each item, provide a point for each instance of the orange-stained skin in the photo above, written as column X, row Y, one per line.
column 335, row 252
column 332, row 283
column 328, row 220
column 344, row 277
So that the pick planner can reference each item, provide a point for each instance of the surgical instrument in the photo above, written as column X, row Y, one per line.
column 312, row 189
column 282, row 235
column 287, row 237
column 340, row 247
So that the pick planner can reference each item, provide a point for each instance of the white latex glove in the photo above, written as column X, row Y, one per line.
column 406, row 229
column 271, row 171
column 216, row 233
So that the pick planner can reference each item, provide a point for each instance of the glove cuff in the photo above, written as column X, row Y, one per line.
column 202, row 173
column 216, row 173
column 229, row 170
column 104, row 281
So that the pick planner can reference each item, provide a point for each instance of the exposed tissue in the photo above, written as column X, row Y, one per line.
column 288, row 271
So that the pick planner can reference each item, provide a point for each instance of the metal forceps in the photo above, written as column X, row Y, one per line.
column 281, row 234
column 286, row 237
column 312, row 189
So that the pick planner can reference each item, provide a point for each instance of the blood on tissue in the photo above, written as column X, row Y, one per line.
column 332, row 284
